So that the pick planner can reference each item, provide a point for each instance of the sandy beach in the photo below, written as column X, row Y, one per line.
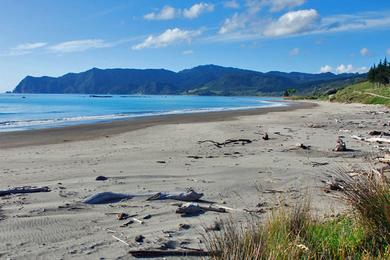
column 150, row 155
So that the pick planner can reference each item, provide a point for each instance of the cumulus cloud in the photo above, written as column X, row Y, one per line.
column 294, row 22
column 233, row 4
column 364, row 52
column 279, row 5
column 343, row 69
column 79, row 45
column 295, row 52
column 168, row 37
column 197, row 9
column 326, row 68
column 167, row 13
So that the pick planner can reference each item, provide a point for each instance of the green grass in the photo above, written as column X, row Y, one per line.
column 364, row 93
column 294, row 233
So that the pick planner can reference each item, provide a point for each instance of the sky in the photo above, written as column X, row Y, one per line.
column 54, row 37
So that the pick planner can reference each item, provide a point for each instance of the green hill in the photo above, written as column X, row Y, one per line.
column 364, row 92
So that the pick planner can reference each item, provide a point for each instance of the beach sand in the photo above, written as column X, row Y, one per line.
column 149, row 155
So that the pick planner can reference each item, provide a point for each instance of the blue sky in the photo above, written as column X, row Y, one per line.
column 53, row 37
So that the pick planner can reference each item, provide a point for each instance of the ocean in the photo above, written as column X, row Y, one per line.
column 20, row 112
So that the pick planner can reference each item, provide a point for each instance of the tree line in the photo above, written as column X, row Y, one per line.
column 380, row 73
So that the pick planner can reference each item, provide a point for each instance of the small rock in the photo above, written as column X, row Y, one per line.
column 184, row 226
column 139, row 239
column 101, row 178
column 147, row 216
column 265, row 137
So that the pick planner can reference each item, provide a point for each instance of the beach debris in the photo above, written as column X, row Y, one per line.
column 107, row 197
column 335, row 185
column 147, row 216
column 302, row 146
column 173, row 252
column 194, row 209
column 162, row 162
column 316, row 164
column 340, row 146
column 265, row 137
column 315, row 125
column 137, row 220
column 128, row 223
column 228, row 141
column 385, row 159
column 139, row 239
column 121, row 240
column 372, row 139
column 189, row 195
column 196, row 157
column 23, row 189
column 190, row 209
column 122, row 216
column 101, row 178
column 216, row 226
column 381, row 133
column 184, row 226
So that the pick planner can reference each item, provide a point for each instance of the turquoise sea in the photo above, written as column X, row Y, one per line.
column 35, row 111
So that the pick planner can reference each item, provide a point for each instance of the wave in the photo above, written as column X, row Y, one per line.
column 18, row 125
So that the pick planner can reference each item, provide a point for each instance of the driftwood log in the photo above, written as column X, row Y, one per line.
column 23, row 189
column 229, row 141
column 162, row 253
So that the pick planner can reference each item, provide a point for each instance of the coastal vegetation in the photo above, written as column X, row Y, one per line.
column 361, row 233
column 364, row 92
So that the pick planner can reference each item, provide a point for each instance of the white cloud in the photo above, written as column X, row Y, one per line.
column 364, row 52
column 295, row 52
column 233, row 23
column 197, row 9
column 168, row 37
column 388, row 51
column 187, row 52
column 167, row 13
column 294, row 22
column 343, row 69
column 233, row 4
column 79, row 45
column 279, row 5
column 29, row 46
column 326, row 68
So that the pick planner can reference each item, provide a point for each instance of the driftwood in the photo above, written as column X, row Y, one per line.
column 162, row 253
column 23, row 189
column 381, row 133
column 107, row 197
column 229, row 141
column 372, row 139
column 196, row 209
column 190, row 195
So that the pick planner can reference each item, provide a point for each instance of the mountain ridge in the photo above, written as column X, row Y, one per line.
column 207, row 79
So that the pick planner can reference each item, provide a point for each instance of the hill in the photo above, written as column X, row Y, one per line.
column 201, row 80
column 364, row 92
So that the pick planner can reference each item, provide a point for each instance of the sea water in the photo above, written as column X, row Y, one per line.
column 36, row 111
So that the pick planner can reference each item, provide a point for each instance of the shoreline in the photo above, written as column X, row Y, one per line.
column 104, row 129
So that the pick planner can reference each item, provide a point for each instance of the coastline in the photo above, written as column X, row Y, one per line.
column 103, row 129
